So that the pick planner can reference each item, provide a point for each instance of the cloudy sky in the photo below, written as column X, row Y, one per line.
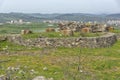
column 60, row 6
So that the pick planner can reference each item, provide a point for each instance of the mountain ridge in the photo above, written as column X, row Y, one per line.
column 37, row 17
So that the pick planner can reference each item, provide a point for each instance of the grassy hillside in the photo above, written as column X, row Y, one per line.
column 25, row 63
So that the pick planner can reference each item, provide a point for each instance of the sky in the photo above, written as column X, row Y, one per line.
column 60, row 6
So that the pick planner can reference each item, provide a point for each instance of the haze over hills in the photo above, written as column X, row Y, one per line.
column 16, row 16
column 37, row 17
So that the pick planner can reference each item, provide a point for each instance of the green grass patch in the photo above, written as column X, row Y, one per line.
column 8, row 46
column 59, row 35
column 116, row 31
column 16, row 28
column 63, row 63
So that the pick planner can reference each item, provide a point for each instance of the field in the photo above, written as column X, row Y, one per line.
column 16, row 28
column 24, row 63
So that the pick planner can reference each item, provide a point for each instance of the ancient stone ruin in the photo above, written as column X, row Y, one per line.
column 50, row 30
column 26, row 32
column 106, row 40
column 78, row 27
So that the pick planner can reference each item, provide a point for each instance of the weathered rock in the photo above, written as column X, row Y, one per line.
column 3, row 38
column 50, row 30
column 42, row 78
column 45, row 68
column 67, row 32
column 2, row 77
column 39, row 78
column 85, row 30
column 26, row 32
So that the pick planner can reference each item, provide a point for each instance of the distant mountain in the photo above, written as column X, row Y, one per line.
column 16, row 16
column 37, row 17
column 114, row 16
column 80, row 17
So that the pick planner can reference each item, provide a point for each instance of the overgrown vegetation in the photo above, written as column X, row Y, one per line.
column 60, row 63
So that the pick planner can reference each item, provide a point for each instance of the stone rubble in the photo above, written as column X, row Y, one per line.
column 42, row 78
column 106, row 40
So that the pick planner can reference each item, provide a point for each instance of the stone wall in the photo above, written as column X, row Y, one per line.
column 85, row 42
column 118, row 36
column 3, row 38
